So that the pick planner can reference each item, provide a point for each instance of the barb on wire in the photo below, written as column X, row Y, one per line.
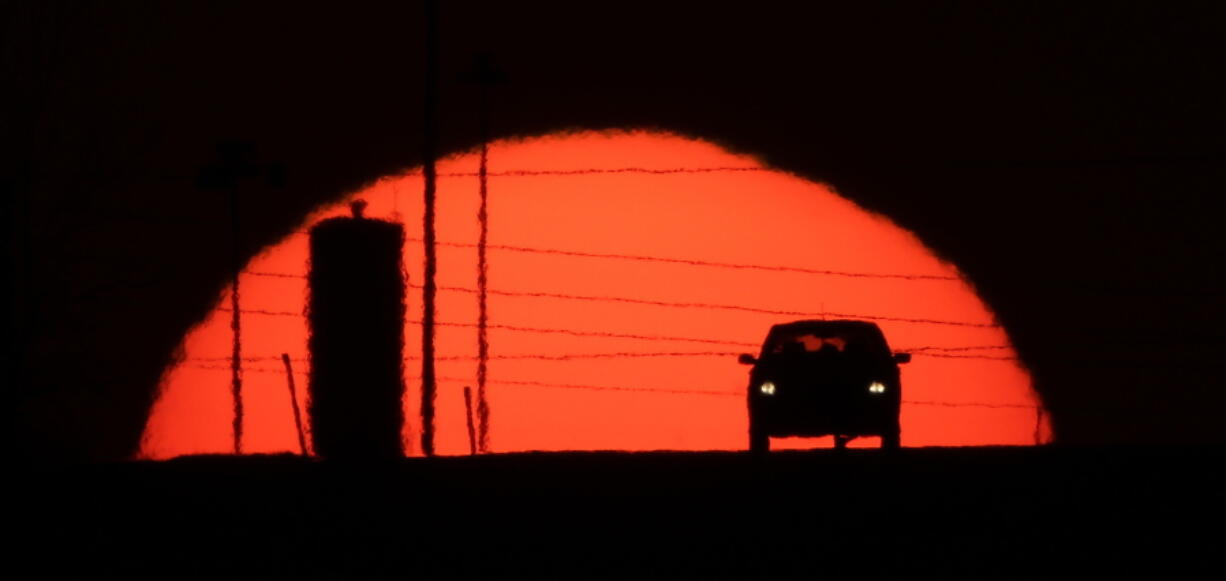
column 610, row 335
column 696, row 262
column 722, row 393
column 588, row 356
column 956, row 356
column 274, row 274
column 246, row 369
column 600, row 171
column 264, row 312
column 545, row 330
column 697, row 305
column 605, row 387
column 950, row 404
column 672, row 260
column 252, row 359
column 704, row 392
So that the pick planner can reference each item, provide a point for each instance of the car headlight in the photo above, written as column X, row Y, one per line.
column 767, row 388
column 876, row 387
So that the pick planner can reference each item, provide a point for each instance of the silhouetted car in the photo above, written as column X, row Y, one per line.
column 824, row 378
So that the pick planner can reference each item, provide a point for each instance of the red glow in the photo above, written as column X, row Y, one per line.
column 752, row 217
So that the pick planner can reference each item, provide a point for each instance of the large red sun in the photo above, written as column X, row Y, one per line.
column 626, row 271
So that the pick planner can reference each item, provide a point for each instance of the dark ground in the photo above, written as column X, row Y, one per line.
column 981, row 513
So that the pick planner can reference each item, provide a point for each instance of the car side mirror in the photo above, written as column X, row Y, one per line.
column 746, row 359
column 902, row 358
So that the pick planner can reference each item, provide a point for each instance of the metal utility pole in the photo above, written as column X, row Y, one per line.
column 483, row 217
column 236, row 354
column 485, row 75
column 429, row 147
column 233, row 165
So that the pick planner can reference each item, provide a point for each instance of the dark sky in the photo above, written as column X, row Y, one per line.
column 1068, row 158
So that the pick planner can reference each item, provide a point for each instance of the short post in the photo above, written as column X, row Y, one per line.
column 293, row 398
column 468, row 416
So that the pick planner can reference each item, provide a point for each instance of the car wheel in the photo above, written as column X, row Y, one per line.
column 759, row 441
column 890, row 439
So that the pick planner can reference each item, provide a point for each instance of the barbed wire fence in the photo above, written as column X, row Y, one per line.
column 940, row 352
column 934, row 351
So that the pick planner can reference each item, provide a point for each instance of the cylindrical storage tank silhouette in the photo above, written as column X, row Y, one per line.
column 356, row 313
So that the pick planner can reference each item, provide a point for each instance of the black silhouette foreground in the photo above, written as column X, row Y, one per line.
column 356, row 313
column 824, row 378
column 943, row 513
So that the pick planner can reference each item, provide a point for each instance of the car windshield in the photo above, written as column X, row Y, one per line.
column 802, row 342
column 806, row 343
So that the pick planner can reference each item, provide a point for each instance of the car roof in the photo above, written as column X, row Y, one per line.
column 834, row 327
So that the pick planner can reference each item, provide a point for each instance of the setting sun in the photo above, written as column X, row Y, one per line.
column 626, row 273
